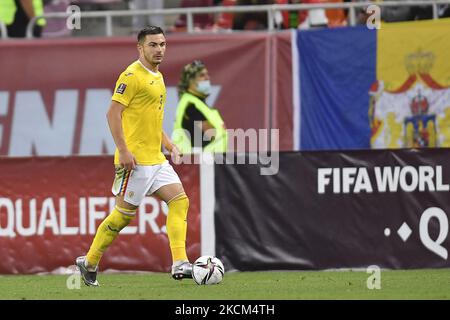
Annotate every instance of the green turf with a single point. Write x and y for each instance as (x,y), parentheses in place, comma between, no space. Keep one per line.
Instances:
(410,284)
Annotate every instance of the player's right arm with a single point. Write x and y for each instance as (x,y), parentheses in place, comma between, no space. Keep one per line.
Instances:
(114,116)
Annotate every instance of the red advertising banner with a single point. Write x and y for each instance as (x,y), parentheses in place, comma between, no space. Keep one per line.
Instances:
(54,93)
(281,78)
(50,208)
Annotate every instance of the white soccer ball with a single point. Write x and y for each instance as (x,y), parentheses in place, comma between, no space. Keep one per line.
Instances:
(207,270)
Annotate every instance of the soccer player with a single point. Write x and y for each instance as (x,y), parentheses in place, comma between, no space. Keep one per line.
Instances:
(135,118)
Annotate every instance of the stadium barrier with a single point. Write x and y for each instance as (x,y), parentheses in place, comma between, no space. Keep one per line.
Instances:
(271,10)
(3,30)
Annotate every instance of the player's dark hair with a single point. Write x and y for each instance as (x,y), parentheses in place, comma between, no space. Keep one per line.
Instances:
(149,30)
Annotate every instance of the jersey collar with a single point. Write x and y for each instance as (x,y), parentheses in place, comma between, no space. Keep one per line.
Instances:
(153,73)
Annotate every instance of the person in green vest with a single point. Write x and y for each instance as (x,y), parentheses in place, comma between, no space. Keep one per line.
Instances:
(16,14)
(198,126)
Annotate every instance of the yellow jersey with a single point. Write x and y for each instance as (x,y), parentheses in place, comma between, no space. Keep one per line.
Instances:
(143,94)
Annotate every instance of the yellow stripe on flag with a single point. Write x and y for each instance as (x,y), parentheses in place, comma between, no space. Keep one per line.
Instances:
(409,47)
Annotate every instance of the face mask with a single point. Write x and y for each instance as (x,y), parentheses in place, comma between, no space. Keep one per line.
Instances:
(204,87)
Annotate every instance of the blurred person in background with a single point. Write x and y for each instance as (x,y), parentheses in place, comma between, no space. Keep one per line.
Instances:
(337,17)
(251,20)
(201,21)
(198,127)
(396,13)
(406,13)
(403,13)
(16,14)
(302,19)
(135,118)
(225,19)
(140,21)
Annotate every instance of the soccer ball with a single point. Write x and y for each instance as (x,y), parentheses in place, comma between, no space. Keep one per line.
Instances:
(207,270)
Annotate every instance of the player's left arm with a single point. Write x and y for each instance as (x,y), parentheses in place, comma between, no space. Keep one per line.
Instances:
(171,147)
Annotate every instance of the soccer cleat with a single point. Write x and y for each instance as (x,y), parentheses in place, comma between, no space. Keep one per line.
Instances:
(181,271)
(89,277)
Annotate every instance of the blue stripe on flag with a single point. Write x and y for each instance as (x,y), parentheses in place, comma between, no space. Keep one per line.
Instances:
(336,69)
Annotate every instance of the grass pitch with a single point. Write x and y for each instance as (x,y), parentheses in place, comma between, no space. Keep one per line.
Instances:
(401,284)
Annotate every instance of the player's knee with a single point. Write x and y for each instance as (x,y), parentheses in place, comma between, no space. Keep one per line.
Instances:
(126,212)
(184,201)
(120,218)
(180,202)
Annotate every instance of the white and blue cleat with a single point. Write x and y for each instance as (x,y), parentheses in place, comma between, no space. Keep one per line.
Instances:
(89,277)
(182,271)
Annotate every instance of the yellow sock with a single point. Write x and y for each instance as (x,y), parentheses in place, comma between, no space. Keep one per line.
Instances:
(177,227)
(106,233)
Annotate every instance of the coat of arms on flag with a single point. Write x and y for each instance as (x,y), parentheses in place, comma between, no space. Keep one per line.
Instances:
(414,115)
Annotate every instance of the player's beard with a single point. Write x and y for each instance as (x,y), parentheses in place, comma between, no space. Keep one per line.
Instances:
(152,61)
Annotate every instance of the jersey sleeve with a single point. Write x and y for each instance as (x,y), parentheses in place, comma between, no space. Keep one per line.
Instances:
(126,88)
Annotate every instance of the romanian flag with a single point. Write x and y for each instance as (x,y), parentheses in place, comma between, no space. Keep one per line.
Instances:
(358,88)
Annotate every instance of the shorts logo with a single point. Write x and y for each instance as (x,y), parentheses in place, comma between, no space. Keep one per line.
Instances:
(131,194)
(121,88)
